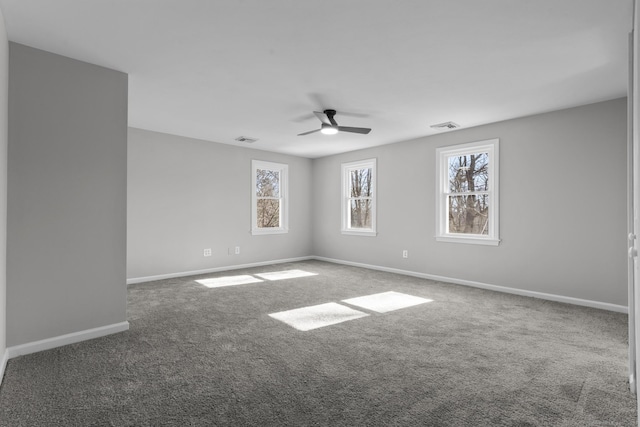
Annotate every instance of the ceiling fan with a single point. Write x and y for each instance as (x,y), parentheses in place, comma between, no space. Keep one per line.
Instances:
(330,126)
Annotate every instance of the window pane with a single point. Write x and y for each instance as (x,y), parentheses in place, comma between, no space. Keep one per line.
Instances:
(469,214)
(360,182)
(469,173)
(268,213)
(361,213)
(267,183)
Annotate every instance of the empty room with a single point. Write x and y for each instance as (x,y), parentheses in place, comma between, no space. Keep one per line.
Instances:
(281,213)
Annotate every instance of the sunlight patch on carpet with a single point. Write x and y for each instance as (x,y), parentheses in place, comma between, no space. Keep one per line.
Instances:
(219,282)
(317,316)
(288,274)
(386,301)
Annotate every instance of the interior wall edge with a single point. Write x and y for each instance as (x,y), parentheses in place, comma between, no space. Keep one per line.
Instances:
(66,189)
(4,138)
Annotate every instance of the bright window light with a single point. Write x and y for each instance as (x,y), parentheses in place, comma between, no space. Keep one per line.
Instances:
(219,282)
(317,316)
(288,274)
(386,301)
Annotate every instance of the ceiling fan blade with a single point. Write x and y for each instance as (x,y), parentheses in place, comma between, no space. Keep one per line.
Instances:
(303,118)
(323,117)
(354,130)
(358,115)
(307,133)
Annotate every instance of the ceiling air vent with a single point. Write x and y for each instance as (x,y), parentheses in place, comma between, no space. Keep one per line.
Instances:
(446,125)
(246,139)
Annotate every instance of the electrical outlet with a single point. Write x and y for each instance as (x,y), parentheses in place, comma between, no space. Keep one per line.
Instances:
(405,254)
(207,252)
(237,250)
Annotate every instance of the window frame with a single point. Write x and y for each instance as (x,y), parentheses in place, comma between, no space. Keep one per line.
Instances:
(492,148)
(345,207)
(283,170)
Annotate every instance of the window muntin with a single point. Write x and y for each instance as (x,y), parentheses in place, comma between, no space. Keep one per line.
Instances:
(269,198)
(467,193)
(358,197)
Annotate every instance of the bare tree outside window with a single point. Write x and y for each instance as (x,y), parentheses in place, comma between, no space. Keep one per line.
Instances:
(468,199)
(360,198)
(468,193)
(268,198)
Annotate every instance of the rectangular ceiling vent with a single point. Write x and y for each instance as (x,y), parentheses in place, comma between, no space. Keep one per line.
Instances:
(246,139)
(446,125)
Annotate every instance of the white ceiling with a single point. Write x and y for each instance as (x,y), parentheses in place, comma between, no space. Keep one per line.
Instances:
(219,69)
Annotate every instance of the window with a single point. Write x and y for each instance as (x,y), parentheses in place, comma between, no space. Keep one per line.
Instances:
(269,198)
(359,198)
(467,193)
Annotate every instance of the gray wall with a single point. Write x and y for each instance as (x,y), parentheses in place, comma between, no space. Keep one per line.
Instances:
(185,195)
(573,244)
(66,237)
(4,82)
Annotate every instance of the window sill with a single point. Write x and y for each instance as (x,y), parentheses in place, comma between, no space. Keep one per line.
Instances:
(368,233)
(469,240)
(261,231)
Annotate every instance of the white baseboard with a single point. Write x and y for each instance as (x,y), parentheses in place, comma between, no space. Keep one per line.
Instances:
(3,364)
(49,343)
(214,270)
(522,292)
(88,334)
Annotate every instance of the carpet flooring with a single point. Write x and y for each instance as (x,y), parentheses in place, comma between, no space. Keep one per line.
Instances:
(201,356)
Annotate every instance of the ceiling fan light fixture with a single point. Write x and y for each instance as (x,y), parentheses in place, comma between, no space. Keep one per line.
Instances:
(328,129)
(330,126)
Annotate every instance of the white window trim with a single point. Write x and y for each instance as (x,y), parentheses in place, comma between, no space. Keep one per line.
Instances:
(283,169)
(345,207)
(490,146)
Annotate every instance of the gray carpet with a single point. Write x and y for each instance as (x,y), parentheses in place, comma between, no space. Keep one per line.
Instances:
(213,357)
